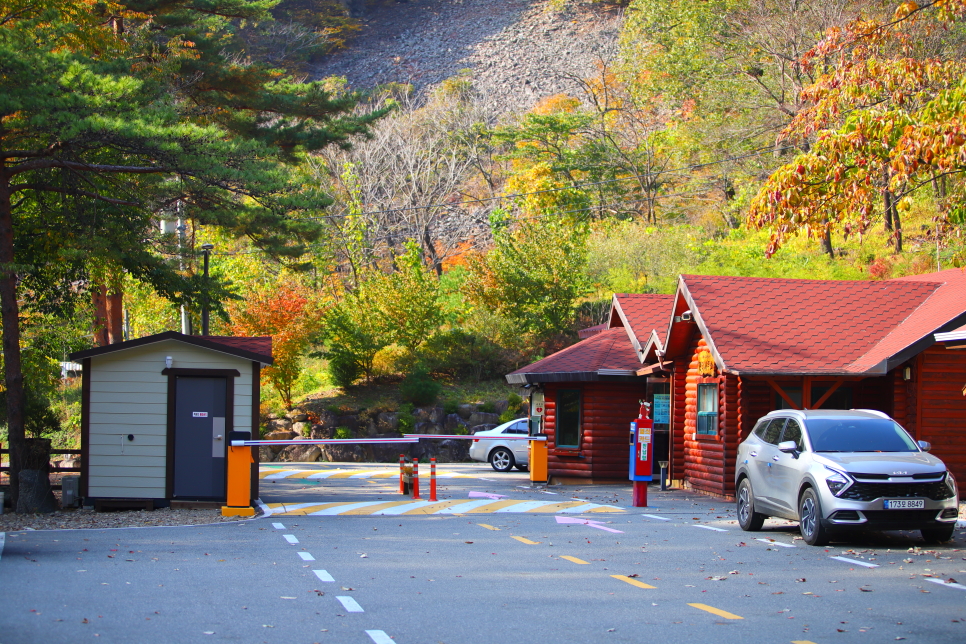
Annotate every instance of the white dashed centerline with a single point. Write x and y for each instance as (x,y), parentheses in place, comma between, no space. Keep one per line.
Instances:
(856,562)
(380,637)
(323,575)
(291,538)
(350,604)
(654,516)
(776,543)
(306,556)
(708,527)
(278,526)
(948,584)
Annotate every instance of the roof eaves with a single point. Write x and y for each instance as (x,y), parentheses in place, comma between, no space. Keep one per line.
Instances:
(631,335)
(696,314)
(179,337)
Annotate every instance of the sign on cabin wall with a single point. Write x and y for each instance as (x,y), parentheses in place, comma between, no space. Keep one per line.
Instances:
(662,409)
(536,403)
(706,364)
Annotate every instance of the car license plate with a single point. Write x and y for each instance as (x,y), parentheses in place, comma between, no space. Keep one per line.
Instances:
(904,504)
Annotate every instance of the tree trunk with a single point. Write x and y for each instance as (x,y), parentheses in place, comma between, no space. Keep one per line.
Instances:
(10,320)
(99,302)
(887,206)
(35,491)
(827,242)
(115,316)
(898,227)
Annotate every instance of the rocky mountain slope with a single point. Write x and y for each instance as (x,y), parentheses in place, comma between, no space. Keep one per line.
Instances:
(519,51)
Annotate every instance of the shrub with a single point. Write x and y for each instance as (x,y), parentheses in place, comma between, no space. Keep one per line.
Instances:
(343,369)
(488,407)
(343,432)
(451,406)
(463,354)
(508,415)
(418,388)
(407,422)
(461,430)
(514,401)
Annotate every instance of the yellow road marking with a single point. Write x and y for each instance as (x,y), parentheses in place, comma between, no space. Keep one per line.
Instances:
(802,642)
(557,507)
(369,509)
(633,582)
(435,507)
(490,507)
(574,559)
(488,527)
(716,611)
(310,509)
(526,541)
(604,508)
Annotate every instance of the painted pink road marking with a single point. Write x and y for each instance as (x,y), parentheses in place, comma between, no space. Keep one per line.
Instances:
(587,522)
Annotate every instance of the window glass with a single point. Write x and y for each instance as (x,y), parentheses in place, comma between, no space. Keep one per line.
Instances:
(773,431)
(568,418)
(516,428)
(841,398)
(795,393)
(859,435)
(793,432)
(708,409)
(760,428)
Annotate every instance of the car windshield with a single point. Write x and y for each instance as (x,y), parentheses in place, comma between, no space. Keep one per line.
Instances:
(858,435)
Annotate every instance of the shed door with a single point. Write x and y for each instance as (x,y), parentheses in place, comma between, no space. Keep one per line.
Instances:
(199,437)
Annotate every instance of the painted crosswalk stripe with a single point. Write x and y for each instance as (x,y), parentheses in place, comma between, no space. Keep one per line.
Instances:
(451,506)
(306,556)
(708,527)
(339,509)
(856,562)
(323,575)
(465,507)
(772,542)
(948,585)
(380,637)
(350,604)
(280,475)
(574,559)
(633,582)
(527,506)
(278,526)
(291,538)
(654,516)
(716,611)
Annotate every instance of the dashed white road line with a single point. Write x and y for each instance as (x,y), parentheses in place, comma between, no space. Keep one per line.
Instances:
(350,604)
(708,527)
(654,516)
(291,538)
(323,575)
(306,556)
(856,562)
(380,637)
(278,526)
(776,543)
(943,583)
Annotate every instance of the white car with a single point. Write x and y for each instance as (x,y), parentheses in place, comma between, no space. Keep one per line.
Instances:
(502,455)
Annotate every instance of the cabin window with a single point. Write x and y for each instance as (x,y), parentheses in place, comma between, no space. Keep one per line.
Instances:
(708,409)
(568,418)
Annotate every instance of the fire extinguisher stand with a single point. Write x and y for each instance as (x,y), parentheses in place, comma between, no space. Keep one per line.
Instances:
(641,455)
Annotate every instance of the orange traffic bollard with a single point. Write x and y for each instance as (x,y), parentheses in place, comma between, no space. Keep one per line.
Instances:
(432,479)
(402,473)
(416,479)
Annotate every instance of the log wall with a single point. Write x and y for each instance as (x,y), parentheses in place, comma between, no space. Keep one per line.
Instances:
(705,458)
(941,417)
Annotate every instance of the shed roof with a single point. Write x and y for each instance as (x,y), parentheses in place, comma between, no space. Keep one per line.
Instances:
(258,349)
(845,327)
(606,354)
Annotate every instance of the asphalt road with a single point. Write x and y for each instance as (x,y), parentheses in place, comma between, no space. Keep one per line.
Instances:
(680,570)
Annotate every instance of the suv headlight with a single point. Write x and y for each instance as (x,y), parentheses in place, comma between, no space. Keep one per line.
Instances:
(837,481)
(951,484)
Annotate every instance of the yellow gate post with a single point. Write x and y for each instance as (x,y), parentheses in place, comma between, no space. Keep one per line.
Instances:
(239,465)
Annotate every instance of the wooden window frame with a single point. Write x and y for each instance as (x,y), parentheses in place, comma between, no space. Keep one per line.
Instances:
(580,418)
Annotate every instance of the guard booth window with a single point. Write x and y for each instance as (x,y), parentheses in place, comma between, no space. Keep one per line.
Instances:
(708,409)
(568,418)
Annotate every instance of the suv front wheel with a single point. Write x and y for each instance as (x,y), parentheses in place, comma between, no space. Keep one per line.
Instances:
(810,519)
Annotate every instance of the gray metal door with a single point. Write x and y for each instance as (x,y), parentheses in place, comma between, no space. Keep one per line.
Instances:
(199,437)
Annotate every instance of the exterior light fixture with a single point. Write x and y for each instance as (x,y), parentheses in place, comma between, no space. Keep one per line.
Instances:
(168,361)
(907,373)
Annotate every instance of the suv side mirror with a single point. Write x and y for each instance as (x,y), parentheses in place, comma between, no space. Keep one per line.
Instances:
(789,447)
(925,445)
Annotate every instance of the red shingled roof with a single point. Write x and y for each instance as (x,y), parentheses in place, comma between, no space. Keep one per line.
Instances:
(766,325)
(254,348)
(260,345)
(608,350)
(644,313)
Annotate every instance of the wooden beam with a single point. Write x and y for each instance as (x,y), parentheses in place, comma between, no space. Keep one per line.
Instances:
(821,401)
(781,392)
(807,392)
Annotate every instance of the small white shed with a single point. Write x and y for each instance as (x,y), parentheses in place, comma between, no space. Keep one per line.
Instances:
(156,413)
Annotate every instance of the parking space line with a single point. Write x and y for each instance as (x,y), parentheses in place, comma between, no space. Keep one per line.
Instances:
(350,604)
(323,575)
(632,582)
(487,526)
(380,637)
(526,541)
(856,562)
(708,527)
(943,583)
(291,538)
(574,559)
(306,556)
(654,516)
(772,542)
(716,611)
(278,526)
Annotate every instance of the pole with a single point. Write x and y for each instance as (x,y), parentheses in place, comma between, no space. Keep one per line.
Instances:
(185,320)
(432,480)
(640,494)
(206,250)
(402,473)
(416,479)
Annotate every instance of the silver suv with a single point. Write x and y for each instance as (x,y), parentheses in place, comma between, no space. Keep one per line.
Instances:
(830,470)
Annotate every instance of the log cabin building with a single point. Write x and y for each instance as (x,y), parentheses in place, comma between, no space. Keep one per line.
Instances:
(724,351)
